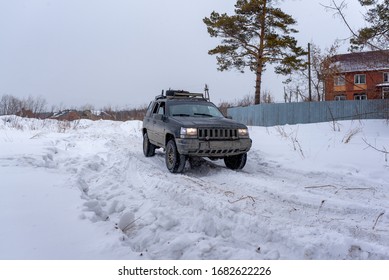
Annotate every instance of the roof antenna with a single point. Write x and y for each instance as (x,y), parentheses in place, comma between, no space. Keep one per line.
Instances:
(206,92)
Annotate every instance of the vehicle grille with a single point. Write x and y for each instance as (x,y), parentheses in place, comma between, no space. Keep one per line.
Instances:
(217,133)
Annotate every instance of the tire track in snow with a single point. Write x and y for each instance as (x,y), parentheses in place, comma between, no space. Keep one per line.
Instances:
(266,211)
(150,193)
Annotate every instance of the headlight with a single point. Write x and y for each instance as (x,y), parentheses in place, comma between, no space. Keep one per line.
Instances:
(188,132)
(243,133)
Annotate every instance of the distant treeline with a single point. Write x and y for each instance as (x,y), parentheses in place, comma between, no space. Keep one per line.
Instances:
(36,107)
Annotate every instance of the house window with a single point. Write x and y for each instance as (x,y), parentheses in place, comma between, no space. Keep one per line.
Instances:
(386,77)
(339,80)
(385,92)
(340,97)
(360,79)
(360,97)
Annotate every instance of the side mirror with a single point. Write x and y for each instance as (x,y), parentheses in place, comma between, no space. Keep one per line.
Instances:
(229,117)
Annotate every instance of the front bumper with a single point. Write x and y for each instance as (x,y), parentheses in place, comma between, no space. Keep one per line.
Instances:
(212,148)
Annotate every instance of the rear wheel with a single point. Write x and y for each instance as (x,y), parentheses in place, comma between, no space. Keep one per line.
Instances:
(236,162)
(175,162)
(148,148)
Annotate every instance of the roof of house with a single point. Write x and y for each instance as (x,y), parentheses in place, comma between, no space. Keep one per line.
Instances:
(362,61)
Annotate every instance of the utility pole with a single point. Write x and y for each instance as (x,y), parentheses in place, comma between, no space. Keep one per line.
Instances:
(309,73)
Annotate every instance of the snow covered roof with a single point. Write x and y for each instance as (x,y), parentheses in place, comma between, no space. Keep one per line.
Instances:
(362,61)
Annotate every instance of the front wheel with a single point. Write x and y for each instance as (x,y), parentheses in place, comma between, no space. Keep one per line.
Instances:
(236,162)
(175,162)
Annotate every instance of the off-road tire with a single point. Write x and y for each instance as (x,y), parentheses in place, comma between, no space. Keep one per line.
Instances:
(148,148)
(236,162)
(175,162)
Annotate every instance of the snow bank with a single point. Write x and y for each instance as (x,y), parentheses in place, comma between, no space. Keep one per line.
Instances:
(84,190)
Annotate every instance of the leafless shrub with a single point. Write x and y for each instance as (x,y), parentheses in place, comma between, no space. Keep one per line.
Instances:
(223,106)
(247,100)
(281,131)
(126,114)
(87,107)
(13,122)
(335,124)
(293,138)
(75,124)
(351,134)
(383,150)
(297,146)
(267,97)
(63,126)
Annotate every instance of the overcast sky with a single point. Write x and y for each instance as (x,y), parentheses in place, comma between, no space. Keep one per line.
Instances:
(122,53)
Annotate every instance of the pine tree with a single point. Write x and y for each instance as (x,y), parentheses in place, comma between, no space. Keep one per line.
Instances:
(376,35)
(256,35)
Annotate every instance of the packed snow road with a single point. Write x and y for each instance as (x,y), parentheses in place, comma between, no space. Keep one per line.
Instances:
(314,191)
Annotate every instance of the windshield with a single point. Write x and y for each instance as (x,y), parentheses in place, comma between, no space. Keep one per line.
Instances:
(194,110)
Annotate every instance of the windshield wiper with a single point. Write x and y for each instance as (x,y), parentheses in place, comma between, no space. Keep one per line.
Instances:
(205,115)
(181,115)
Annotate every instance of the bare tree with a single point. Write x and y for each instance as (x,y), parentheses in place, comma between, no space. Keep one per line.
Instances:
(10,105)
(224,105)
(36,105)
(247,100)
(322,69)
(267,97)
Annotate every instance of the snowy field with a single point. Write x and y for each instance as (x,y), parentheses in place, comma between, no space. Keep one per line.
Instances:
(84,190)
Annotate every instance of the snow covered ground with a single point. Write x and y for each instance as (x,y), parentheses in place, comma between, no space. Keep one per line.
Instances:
(84,190)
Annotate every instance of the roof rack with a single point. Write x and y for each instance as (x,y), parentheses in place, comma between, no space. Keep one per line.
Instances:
(181,94)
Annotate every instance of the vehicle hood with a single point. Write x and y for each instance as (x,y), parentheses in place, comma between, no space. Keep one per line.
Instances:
(208,122)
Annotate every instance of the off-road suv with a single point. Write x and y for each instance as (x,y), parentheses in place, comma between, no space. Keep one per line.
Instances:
(188,126)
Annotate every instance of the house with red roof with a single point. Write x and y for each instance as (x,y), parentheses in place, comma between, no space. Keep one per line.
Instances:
(358,76)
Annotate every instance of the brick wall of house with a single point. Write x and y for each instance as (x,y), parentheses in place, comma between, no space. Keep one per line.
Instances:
(350,89)
(372,64)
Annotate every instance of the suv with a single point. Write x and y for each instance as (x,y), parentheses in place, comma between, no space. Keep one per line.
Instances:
(188,126)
